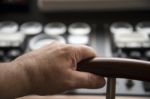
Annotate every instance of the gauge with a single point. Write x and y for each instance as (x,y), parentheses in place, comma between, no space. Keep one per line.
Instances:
(42,40)
(31,28)
(8,27)
(143,27)
(55,28)
(121,27)
(79,28)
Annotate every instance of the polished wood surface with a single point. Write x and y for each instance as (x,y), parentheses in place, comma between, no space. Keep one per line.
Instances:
(78,97)
(117,68)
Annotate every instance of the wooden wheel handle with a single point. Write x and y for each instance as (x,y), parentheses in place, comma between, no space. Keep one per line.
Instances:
(117,68)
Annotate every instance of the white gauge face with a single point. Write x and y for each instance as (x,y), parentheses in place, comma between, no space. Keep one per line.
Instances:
(31,28)
(73,39)
(143,27)
(8,27)
(121,27)
(43,40)
(55,28)
(79,29)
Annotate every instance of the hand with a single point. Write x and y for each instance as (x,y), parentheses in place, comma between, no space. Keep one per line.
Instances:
(52,69)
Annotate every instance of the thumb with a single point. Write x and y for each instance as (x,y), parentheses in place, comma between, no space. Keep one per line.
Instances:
(87,80)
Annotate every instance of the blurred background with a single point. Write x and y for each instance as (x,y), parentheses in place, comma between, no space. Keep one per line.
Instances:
(114,28)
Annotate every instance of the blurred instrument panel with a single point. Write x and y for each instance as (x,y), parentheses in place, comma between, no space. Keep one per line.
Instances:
(112,33)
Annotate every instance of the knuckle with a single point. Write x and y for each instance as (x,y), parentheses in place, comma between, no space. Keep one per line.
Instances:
(67,50)
(66,53)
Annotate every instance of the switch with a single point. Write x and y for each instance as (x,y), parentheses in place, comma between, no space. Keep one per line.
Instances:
(135,55)
(129,84)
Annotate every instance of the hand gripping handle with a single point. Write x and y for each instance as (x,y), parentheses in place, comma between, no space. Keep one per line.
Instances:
(117,68)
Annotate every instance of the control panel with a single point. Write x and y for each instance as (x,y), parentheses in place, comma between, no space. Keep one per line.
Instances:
(122,33)
(122,40)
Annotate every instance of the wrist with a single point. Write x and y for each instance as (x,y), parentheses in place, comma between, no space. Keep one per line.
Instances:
(22,78)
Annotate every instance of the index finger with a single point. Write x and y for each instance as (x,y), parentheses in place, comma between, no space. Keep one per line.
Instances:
(84,52)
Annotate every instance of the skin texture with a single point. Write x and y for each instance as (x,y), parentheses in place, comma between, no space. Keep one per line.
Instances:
(46,71)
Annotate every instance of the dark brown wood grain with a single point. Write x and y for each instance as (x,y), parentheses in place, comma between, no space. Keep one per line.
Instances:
(117,68)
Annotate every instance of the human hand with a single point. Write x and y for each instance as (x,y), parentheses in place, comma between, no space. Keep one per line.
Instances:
(52,69)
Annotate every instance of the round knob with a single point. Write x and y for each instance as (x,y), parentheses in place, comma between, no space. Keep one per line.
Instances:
(13,53)
(147,54)
(135,55)
(120,53)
